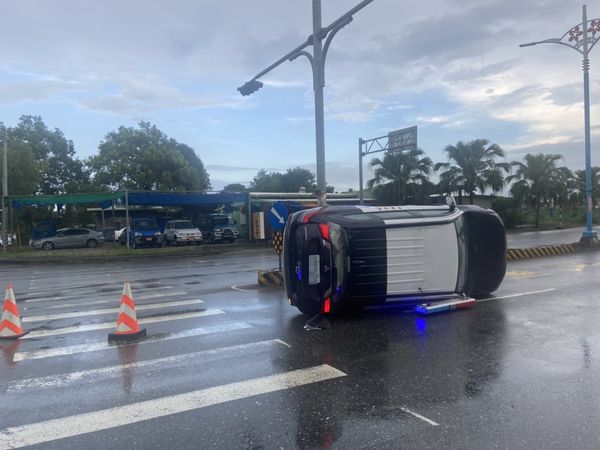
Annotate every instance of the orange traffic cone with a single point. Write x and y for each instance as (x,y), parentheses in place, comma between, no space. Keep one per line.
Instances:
(10,322)
(127,324)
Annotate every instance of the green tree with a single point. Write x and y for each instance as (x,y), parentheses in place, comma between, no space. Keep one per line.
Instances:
(146,159)
(400,176)
(23,172)
(234,187)
(294,179)
(265,181)
(580,185)
(535,180)
(474,168)
(59,170)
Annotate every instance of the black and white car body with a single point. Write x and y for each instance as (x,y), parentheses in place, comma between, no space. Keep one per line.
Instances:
(357,256)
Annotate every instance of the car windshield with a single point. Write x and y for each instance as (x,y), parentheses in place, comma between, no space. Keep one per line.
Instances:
(222,221)
(183,225)
(145,224)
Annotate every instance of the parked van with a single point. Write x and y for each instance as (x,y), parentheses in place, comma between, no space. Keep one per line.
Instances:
(353,255)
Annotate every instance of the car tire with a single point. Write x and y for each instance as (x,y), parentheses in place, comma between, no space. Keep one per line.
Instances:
(91,243)
(134,245)
(175,243)
(48,245)
(158,245)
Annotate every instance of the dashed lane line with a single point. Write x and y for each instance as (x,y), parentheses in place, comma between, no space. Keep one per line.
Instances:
(51,430)
(419,416)
(177,361)
(106,325)
(98,312)
(103,345)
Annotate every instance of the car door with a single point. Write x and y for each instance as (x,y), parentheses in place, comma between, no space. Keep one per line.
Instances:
(80,238)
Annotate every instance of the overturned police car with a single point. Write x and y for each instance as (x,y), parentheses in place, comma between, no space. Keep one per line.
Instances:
(357,256)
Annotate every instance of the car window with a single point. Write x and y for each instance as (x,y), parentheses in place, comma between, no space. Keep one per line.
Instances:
(183,225)
(145,224)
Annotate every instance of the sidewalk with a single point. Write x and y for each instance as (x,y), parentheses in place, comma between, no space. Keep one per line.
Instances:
(529,239)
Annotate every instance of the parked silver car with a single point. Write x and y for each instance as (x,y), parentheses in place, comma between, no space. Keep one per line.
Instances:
(69,237)
(182,232)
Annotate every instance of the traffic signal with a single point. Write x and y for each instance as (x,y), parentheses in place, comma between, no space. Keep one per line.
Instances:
(250,87)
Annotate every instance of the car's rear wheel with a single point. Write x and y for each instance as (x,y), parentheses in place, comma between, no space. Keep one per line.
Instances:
(48,245)
(92,243)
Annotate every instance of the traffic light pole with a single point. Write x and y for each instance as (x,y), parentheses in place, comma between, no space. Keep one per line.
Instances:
(320,39)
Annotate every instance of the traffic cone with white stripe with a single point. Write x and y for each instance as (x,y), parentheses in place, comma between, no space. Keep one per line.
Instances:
(10,322)
(128,328)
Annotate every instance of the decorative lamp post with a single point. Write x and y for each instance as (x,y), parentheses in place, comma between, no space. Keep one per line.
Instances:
(582,38)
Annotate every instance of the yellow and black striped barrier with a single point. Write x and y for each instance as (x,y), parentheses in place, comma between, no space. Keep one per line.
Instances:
(537,252)
(270,277)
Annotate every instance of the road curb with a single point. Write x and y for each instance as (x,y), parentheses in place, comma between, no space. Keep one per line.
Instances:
(270,277)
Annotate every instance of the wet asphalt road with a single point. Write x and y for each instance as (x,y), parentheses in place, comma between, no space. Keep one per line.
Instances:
(229,366)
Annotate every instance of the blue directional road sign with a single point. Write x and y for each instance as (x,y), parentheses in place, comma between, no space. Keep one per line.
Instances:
(278,215)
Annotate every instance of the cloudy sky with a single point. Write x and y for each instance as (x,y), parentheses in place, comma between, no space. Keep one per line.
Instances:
(453,68)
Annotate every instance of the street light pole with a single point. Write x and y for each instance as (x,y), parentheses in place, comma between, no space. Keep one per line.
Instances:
(578,39)
(5,193)
(320,40)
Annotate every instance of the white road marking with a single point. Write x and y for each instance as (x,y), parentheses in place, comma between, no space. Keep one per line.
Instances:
(106,325)
(98,312)
(103,345)
(202,357)
(235,288)
(116,294)
(419,416)
(520,294)
(115,300)
(51,430)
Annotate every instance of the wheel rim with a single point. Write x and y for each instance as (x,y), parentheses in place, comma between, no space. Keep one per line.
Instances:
(92,243)
(48,246)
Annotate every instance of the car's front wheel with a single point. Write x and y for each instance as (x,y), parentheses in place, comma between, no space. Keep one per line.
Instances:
(48,245)
(92,243)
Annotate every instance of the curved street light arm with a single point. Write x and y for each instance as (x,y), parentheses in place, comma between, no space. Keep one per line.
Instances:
(332,34)
(303,53)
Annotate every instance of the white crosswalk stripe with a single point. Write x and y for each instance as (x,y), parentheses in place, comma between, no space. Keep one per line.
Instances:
(176,361)
(50,430)
(96,346)
(97,312)
(107,325)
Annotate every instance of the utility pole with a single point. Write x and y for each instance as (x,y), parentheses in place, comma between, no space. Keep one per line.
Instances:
(320,39)
(5,192)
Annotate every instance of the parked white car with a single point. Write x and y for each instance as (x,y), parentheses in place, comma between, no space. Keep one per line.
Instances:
(182,232)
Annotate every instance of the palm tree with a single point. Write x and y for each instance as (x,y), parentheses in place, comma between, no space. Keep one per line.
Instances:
(536,180)
(580,185)
(474,168)
(400,175)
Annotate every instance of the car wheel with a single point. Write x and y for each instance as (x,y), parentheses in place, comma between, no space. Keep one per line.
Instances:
(211,239)
(134,245)
(48,245)
(175,243)
(158,245)
(92,243)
